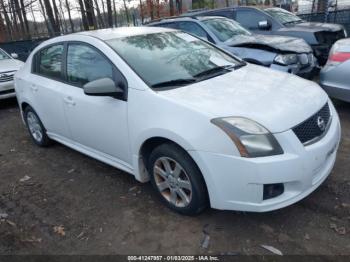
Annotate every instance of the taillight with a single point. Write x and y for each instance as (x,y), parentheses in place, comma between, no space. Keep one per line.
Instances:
(339,57)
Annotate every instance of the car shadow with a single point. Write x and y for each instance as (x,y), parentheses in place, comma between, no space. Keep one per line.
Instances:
(8,103)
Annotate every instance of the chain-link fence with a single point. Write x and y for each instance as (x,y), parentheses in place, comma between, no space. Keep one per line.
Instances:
(324,11)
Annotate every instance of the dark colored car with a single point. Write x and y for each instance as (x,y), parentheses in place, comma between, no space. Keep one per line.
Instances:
(287,54)
(277,21)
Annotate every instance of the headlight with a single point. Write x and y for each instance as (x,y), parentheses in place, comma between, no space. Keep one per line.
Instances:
(250,138)
(345,33)
(286,59)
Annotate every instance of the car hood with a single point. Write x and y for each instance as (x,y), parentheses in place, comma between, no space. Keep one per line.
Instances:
(7,65)
(281,43)
(277,100)
(313,27)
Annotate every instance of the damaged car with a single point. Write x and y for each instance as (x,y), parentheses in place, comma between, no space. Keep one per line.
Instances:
(286,54)
(277,21)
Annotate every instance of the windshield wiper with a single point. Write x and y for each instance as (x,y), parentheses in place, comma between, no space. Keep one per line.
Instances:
(215,70)
(175,82)
(293,22)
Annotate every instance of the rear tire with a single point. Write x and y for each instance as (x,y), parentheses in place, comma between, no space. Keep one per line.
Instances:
(35,127)
(177,179)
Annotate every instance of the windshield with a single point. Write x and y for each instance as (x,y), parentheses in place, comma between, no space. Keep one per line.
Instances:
(171,57)
(3,55)
(225,29)
(283,16)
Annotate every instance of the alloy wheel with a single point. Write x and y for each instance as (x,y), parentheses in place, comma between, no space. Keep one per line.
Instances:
(172,181)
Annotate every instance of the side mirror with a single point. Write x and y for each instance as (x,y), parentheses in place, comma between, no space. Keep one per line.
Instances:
(14,55)
(102,87)
(264,25)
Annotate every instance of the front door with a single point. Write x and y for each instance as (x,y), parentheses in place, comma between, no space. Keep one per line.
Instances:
(97,123)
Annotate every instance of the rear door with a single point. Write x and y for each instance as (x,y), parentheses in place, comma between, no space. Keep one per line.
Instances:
(45,88)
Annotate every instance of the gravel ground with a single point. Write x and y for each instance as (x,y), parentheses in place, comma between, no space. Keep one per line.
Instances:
(58,201)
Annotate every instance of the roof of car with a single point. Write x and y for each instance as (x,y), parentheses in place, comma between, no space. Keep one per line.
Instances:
(183,18)
(111,33)
(206,11)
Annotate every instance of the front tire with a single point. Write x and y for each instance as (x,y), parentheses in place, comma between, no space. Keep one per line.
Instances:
(35,127)
(177,179)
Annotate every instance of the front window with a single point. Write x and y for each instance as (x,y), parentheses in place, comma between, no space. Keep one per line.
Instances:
(173,58)
(85,64)
(225,29)
(283,16)
(3,55)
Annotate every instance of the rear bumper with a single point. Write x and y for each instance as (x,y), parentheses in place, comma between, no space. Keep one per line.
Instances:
(236,183)
(335,80)
(7,90)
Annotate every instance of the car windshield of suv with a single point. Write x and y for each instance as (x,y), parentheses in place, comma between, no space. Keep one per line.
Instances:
(3,55)
(225,29)
(172,59)
(283,16)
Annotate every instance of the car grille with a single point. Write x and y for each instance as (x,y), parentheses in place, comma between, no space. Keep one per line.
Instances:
(314,127)
(6,76)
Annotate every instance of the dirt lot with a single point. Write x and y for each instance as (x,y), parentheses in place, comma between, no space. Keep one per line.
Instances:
(73,204)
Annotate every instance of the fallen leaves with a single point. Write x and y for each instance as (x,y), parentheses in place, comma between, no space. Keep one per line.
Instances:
(272,249)
(59,230)
(339,230)
(25,178)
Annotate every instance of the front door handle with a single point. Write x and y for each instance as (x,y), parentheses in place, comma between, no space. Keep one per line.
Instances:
(69,101)
(34,88)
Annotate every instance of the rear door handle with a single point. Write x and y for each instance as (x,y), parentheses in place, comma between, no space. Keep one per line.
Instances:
(69,101)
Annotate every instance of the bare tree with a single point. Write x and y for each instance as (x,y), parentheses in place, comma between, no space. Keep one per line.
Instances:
(115,14)
(7,20)
(126,12)
(99,16)
(171,6)
(141,11)
(83,15)
(69,16)
(54,28)
(109,13)
(90,15)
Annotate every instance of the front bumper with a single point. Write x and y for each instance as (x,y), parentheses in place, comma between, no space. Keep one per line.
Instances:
(236,183)
(7,90)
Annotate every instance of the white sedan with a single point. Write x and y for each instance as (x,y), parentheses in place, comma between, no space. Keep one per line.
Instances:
(8,67)
(203,126)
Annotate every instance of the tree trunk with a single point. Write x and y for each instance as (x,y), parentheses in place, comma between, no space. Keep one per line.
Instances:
(109,13)
(55,29)
(90,13)
(63,19)
(25,20)
(126,12)
(35,27)
(115,14)
(99,16)
(3,31)
(48,26)
(14,20)
(56,14)
(141,12)
(69,16)
(158,11)
(83,15)
(171,6)
(7,20)
(18,12)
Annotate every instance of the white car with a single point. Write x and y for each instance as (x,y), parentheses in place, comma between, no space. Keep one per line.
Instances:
(203,126)
(8,67)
